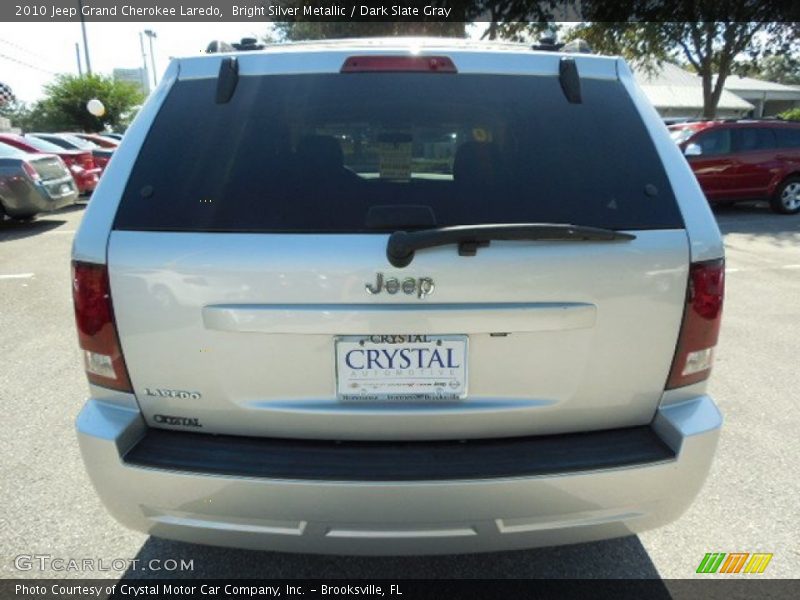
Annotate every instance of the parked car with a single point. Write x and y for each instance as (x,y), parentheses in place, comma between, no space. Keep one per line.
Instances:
(113,136)
(99,140)
(397,297)
(745,160)
(79,162)
(33,183)
(72,142)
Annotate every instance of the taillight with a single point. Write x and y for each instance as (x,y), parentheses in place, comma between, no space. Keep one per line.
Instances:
(700,328)
(417,64)
(97,332)
(28,168)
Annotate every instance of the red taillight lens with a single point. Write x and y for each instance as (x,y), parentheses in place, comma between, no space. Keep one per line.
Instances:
(701,320)
(97,333)
(417,64)
(28,168)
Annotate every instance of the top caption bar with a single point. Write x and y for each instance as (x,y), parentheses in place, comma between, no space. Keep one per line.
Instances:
(397,10)
(231,10)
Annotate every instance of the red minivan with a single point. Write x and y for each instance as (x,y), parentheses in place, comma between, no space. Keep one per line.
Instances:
(744,160)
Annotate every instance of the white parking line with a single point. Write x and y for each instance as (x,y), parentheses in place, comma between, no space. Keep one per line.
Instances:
(17,276)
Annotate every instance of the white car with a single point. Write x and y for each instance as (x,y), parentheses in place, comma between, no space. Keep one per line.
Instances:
(397,297)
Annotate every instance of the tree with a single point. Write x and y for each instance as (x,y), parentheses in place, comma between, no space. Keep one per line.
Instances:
(713,36)
(17,112)
(709,35)
(791,115)
(64,104)
(780,68)
(711,48)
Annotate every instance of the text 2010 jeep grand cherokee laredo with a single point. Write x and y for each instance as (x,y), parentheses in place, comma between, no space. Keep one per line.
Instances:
(394,297)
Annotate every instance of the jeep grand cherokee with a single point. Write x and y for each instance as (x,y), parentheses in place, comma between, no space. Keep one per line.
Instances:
(397,297)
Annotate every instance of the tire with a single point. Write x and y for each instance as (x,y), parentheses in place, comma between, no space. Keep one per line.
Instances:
(786,200)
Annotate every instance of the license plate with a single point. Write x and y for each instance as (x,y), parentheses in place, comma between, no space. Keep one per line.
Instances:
(401,367)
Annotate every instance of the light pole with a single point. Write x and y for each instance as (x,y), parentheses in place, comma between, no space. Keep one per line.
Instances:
(85,39)
(78,58)
(152,35)
(145,76)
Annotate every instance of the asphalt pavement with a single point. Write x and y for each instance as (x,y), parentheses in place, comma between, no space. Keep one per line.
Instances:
(749,503)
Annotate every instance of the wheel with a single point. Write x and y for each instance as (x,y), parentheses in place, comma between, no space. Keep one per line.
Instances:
(787,197)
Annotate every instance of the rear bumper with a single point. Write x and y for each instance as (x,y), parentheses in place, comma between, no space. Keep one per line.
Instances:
(317,513)
(26,198)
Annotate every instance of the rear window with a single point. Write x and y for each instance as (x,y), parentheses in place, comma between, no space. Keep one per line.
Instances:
(7,151)
(313,153)
(42,145)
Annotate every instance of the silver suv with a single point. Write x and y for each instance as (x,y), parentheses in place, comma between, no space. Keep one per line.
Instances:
(397,297)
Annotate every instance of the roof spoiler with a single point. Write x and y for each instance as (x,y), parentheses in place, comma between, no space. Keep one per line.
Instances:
(227,79)
(570,80)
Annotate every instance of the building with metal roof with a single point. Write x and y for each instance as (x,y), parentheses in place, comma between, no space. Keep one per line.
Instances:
(768,98)
(678,94)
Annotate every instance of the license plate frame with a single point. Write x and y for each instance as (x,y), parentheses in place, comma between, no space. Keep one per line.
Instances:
(414,384)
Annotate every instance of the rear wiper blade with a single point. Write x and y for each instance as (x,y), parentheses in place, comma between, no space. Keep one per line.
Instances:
(402,244)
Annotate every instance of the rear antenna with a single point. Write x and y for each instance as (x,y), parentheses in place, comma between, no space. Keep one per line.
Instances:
(570,80)
(227,79)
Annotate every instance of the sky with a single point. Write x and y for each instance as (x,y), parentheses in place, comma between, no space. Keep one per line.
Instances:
(32,53)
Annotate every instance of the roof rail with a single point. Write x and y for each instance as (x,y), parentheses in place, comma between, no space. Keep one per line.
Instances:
(548,43)
(740,119)
(244,45)
(248,44)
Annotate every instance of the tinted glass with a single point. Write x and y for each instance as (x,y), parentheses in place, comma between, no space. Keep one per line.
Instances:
(714,142)
(313,153)
(41,145)
(70,142)
(79,142)
(55,140)
(788,137)
(7,151)
(748,139)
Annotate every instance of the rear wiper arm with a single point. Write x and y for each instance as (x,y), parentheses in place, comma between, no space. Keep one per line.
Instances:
(402,244)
